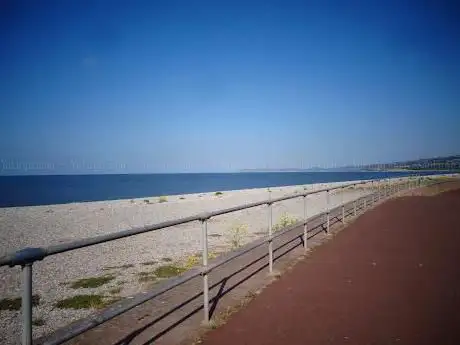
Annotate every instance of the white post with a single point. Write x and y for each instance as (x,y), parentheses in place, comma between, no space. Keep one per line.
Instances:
(204,238)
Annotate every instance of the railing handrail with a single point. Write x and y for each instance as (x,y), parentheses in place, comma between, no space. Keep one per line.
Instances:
(27,255)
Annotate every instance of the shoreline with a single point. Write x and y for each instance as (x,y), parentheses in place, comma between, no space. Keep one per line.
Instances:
(129,258)
(71,189)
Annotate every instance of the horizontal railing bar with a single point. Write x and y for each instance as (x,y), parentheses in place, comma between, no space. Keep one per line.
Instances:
(11,258)
(262,241)
(112,312)
(235,254)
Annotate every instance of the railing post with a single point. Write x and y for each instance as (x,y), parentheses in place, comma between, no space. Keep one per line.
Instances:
(204,239)
(343,207)
(371,200)
(26,304)
(305,229)
(270,238)
(328,210)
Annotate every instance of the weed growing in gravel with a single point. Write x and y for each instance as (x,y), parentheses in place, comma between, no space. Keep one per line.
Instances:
(285,221)
(85,302)
(149,263)
(118,267)
(166,259)
(15,303)
(168,271)
(92,282)
(195,259)
(115,290)
(146,277)
(235,235)
(38,321)
(191,261)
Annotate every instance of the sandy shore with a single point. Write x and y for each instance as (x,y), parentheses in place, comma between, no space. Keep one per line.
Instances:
(126,258)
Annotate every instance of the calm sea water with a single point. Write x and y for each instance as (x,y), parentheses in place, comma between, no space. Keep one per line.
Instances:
(59,189)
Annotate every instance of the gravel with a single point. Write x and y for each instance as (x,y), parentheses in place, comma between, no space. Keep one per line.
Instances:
(52,224)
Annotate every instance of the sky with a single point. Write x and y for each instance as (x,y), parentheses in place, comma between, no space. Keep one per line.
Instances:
(216,86)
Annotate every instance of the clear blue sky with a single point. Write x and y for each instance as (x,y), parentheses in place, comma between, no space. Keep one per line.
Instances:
(175,86)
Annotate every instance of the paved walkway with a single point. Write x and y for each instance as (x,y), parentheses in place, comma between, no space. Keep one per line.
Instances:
(393,277)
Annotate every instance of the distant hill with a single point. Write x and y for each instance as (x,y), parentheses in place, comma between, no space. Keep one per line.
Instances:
(436,163)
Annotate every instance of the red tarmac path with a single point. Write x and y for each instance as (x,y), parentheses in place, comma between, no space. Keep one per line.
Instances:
(392,277)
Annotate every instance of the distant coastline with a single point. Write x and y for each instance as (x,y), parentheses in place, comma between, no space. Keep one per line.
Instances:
(445,164)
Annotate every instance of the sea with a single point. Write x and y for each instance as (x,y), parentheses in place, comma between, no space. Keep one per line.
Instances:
(34,190)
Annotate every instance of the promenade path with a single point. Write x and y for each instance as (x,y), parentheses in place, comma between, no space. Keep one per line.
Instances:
(393,277)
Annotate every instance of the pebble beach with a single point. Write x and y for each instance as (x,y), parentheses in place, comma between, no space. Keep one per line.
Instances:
(127,259)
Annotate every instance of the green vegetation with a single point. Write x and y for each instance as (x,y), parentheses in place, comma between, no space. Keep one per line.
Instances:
(92,282)
(162,199)
(235,235)
(191,261)
(118,267)
(195,259)
(218,193)
(146,277)
(15,303)
(182,198)
(85,302)
(284,221)
(115,290)
(38,321)
(168,271)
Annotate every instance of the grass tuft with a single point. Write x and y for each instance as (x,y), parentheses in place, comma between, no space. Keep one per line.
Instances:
(162,199)
(85,302)
(115,290)
(236,234)
(92,282)
(285,221)
(218,193)
(15,303)
(168,271)
(145,277)
(195,259)
(38,321)
(118,267)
